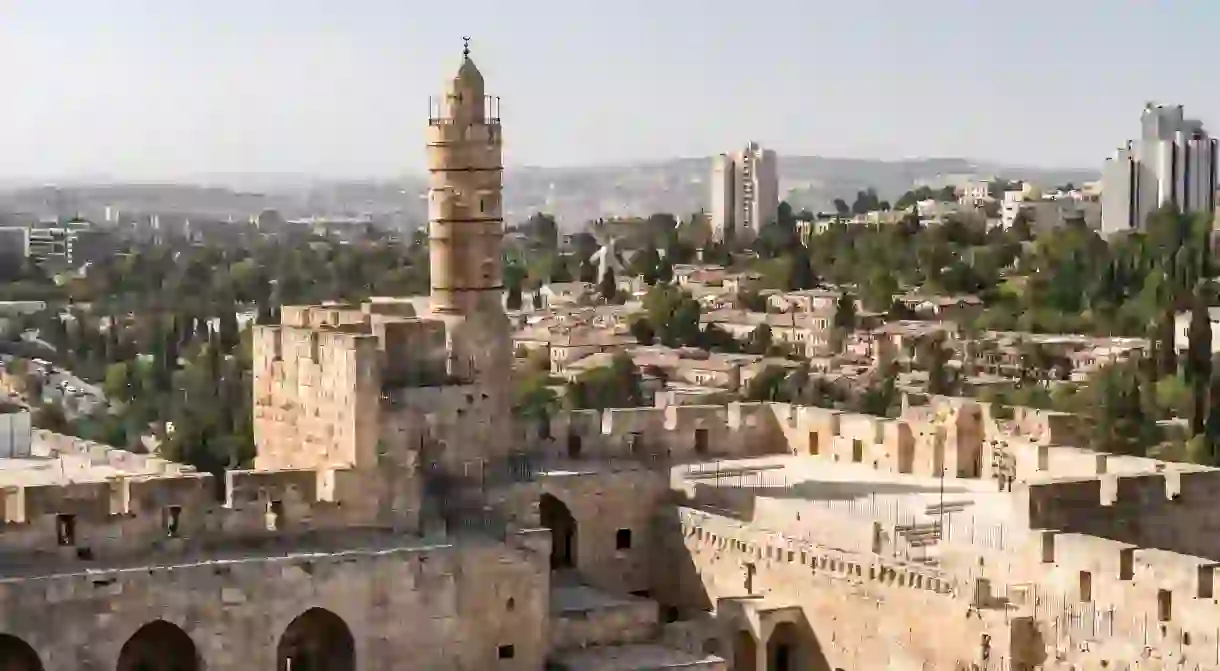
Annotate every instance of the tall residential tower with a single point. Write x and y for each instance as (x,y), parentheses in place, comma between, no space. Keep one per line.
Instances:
(1173,163)
(745,193)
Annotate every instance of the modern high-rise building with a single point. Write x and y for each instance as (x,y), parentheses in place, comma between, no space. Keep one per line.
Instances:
(1174,162)
(745,193)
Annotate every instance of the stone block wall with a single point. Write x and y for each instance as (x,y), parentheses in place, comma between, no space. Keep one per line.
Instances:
(603,506)
(863,611)
(679,433)
(83,525)
(952,439)
(626,621)
(1115,599)
(413,351)
(1175,510)
(441,607)
(315,397)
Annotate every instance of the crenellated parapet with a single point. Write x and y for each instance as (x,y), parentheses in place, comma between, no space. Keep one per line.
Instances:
(125,517)
(688,432)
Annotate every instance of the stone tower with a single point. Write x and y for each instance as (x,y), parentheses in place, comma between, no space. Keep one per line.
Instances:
(465,238)
(466,224)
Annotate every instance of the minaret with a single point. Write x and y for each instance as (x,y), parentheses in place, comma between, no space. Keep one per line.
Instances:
(465,238)
(466,226)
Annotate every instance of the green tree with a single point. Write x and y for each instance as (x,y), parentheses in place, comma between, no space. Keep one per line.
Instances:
(1197,366)
(608,287)
(645,264)
(768,385)
(542,231)
(117,385)
(641,329)
(1117,409)
(513,300)
(534,400)
(866,201)
(665,269)
(845,312)
(800,272)
(615,386)
(50,416)
(750,300)
(933,355)
(760,340)
(879,289)
(587,271)
(674,314)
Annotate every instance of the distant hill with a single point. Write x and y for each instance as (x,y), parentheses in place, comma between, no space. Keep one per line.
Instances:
(576,195)
(573,195)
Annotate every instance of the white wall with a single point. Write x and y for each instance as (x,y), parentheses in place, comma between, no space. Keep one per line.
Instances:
(15,434)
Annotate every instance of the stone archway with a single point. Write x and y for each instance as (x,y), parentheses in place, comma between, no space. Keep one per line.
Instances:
(159,646)
(745,651)
(17,655)
(554,515)
(794,647)
(318,640)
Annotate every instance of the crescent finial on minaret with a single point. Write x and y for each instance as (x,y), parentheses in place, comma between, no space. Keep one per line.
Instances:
(465,47)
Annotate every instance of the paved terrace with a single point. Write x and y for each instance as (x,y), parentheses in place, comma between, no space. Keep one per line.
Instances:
(57,459)
(826,502)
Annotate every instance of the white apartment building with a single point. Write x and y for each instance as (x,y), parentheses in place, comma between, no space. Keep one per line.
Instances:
(1181,330)
(1173,162)
(745,193)
(1047,211)
(976,193)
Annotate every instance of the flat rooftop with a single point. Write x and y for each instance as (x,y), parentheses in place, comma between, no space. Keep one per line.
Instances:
(583,599)
(787,487)
(58,459)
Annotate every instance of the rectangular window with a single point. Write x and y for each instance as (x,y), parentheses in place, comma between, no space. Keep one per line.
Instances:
(172,514)
(65,529)
(275,515)
(1086,587)
(622,539)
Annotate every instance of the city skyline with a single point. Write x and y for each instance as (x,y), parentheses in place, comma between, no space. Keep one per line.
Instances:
(163,93)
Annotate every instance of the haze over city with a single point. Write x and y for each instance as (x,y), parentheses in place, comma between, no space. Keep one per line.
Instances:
(135,89)
(540,336)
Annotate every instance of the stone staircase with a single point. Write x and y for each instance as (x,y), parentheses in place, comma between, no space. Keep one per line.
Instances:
(592,630)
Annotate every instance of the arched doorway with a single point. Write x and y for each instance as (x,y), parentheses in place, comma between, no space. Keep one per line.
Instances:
(793,647)
(159,646)
(745,651)
(556,517)
(17,655)
(318,640)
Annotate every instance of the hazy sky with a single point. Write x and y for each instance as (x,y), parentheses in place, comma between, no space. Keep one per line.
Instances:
(170,88)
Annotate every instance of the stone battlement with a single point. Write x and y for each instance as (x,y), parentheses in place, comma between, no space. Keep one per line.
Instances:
(126,516)
(676,432)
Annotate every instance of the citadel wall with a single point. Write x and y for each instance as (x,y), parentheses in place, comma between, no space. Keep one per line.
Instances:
(315,396)
(478,599)
(858,611)
(612,513)
(80,525)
